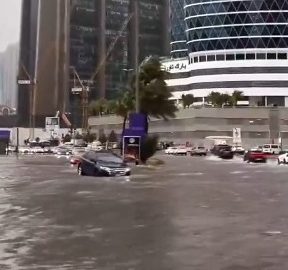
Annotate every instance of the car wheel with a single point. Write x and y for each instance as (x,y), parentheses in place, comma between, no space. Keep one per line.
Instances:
(80,170)
(279,162)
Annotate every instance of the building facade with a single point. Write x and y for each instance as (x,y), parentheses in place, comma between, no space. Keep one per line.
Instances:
(178,41)
(95,44)
(236,45)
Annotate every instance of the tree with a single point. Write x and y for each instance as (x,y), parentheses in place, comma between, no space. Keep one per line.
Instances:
(235,97)
(215,98)
(112,137)
(102,136)
(98,107)
(187,100)
(154,93)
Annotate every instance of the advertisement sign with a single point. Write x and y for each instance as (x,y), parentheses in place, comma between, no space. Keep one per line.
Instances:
(131,148)
(138,123)
(237,136)
(52,123)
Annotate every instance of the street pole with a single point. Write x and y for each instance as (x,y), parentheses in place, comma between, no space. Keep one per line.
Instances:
(137,81)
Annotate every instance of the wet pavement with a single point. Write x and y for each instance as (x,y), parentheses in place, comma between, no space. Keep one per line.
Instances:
(192,213)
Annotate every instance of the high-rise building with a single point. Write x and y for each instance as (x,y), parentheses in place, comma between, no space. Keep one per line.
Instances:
(8,75)
(101,47)
(178,34)
(236,45)
(44,59)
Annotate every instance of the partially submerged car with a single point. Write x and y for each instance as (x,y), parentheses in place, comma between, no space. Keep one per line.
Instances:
(102,163)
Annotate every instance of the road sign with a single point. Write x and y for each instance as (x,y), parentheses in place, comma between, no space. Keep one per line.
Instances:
(237,136)
(24,82)
(52,123)
(76,90)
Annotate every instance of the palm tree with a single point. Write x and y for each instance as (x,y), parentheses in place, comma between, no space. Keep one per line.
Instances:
(155,96)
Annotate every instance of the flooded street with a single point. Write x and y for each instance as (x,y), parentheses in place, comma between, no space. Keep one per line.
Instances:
(193,213)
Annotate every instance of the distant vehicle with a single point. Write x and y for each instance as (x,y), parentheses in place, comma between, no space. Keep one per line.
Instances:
(237,149)
(171,150)
(198,151)
(273,149)
(37,150)
(218,147)
(226,152)
(102,163)
(63,151)
(255,155)
(181,150)
(24,150)
(283,158)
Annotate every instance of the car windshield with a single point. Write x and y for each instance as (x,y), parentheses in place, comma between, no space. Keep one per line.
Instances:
(201,147)
(108,158)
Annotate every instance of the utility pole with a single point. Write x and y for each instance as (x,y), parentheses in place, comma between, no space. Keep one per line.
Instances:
(137,86)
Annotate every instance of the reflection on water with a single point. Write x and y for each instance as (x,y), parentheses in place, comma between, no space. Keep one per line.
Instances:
(50,218)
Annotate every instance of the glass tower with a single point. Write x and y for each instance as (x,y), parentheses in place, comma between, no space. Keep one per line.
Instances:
(178,35)
(236,25)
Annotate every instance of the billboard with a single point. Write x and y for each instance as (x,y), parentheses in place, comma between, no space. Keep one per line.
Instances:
(52,123)
(131,148)
(237,136)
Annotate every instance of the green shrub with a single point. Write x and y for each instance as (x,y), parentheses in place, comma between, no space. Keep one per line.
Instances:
(148,147)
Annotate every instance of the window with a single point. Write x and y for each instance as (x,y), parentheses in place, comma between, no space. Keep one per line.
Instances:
(282,56)
(240,56)
(202,58)
(271,55)
(210,58)
(220,57)
(250,56)
(230,57)
(261,56)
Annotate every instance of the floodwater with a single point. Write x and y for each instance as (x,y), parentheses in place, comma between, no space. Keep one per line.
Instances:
(192,213)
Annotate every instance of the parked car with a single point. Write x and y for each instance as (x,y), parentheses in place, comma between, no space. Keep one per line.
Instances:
(237,149)
(226,152)
(283,158)
(181,150)
(171,150)
(273,149)
(255,155)
(102,163)
(63,151)
(198,151)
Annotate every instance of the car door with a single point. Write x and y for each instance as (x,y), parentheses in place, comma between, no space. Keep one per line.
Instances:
(87,164)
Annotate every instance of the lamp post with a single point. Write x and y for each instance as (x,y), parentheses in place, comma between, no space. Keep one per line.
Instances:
(136,27)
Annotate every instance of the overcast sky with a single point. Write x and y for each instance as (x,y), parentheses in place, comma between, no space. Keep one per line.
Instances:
(10,15)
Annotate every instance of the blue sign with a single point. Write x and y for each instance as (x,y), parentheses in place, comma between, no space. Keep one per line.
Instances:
(138,122)
(5,135)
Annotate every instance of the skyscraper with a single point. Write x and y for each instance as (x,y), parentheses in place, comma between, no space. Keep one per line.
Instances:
(101,46)
(178,34)
(235,45)
(44,59)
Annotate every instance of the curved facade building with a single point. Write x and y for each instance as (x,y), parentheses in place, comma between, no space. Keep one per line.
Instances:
(178,35)
(237,45)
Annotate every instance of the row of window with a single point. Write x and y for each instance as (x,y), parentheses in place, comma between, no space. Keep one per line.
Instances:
(238,56)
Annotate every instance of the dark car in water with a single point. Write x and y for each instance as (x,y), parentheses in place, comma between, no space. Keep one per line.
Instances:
(102,163)
(218,147)
(226,152)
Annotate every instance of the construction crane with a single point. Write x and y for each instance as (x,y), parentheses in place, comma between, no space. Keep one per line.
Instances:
(84,91)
